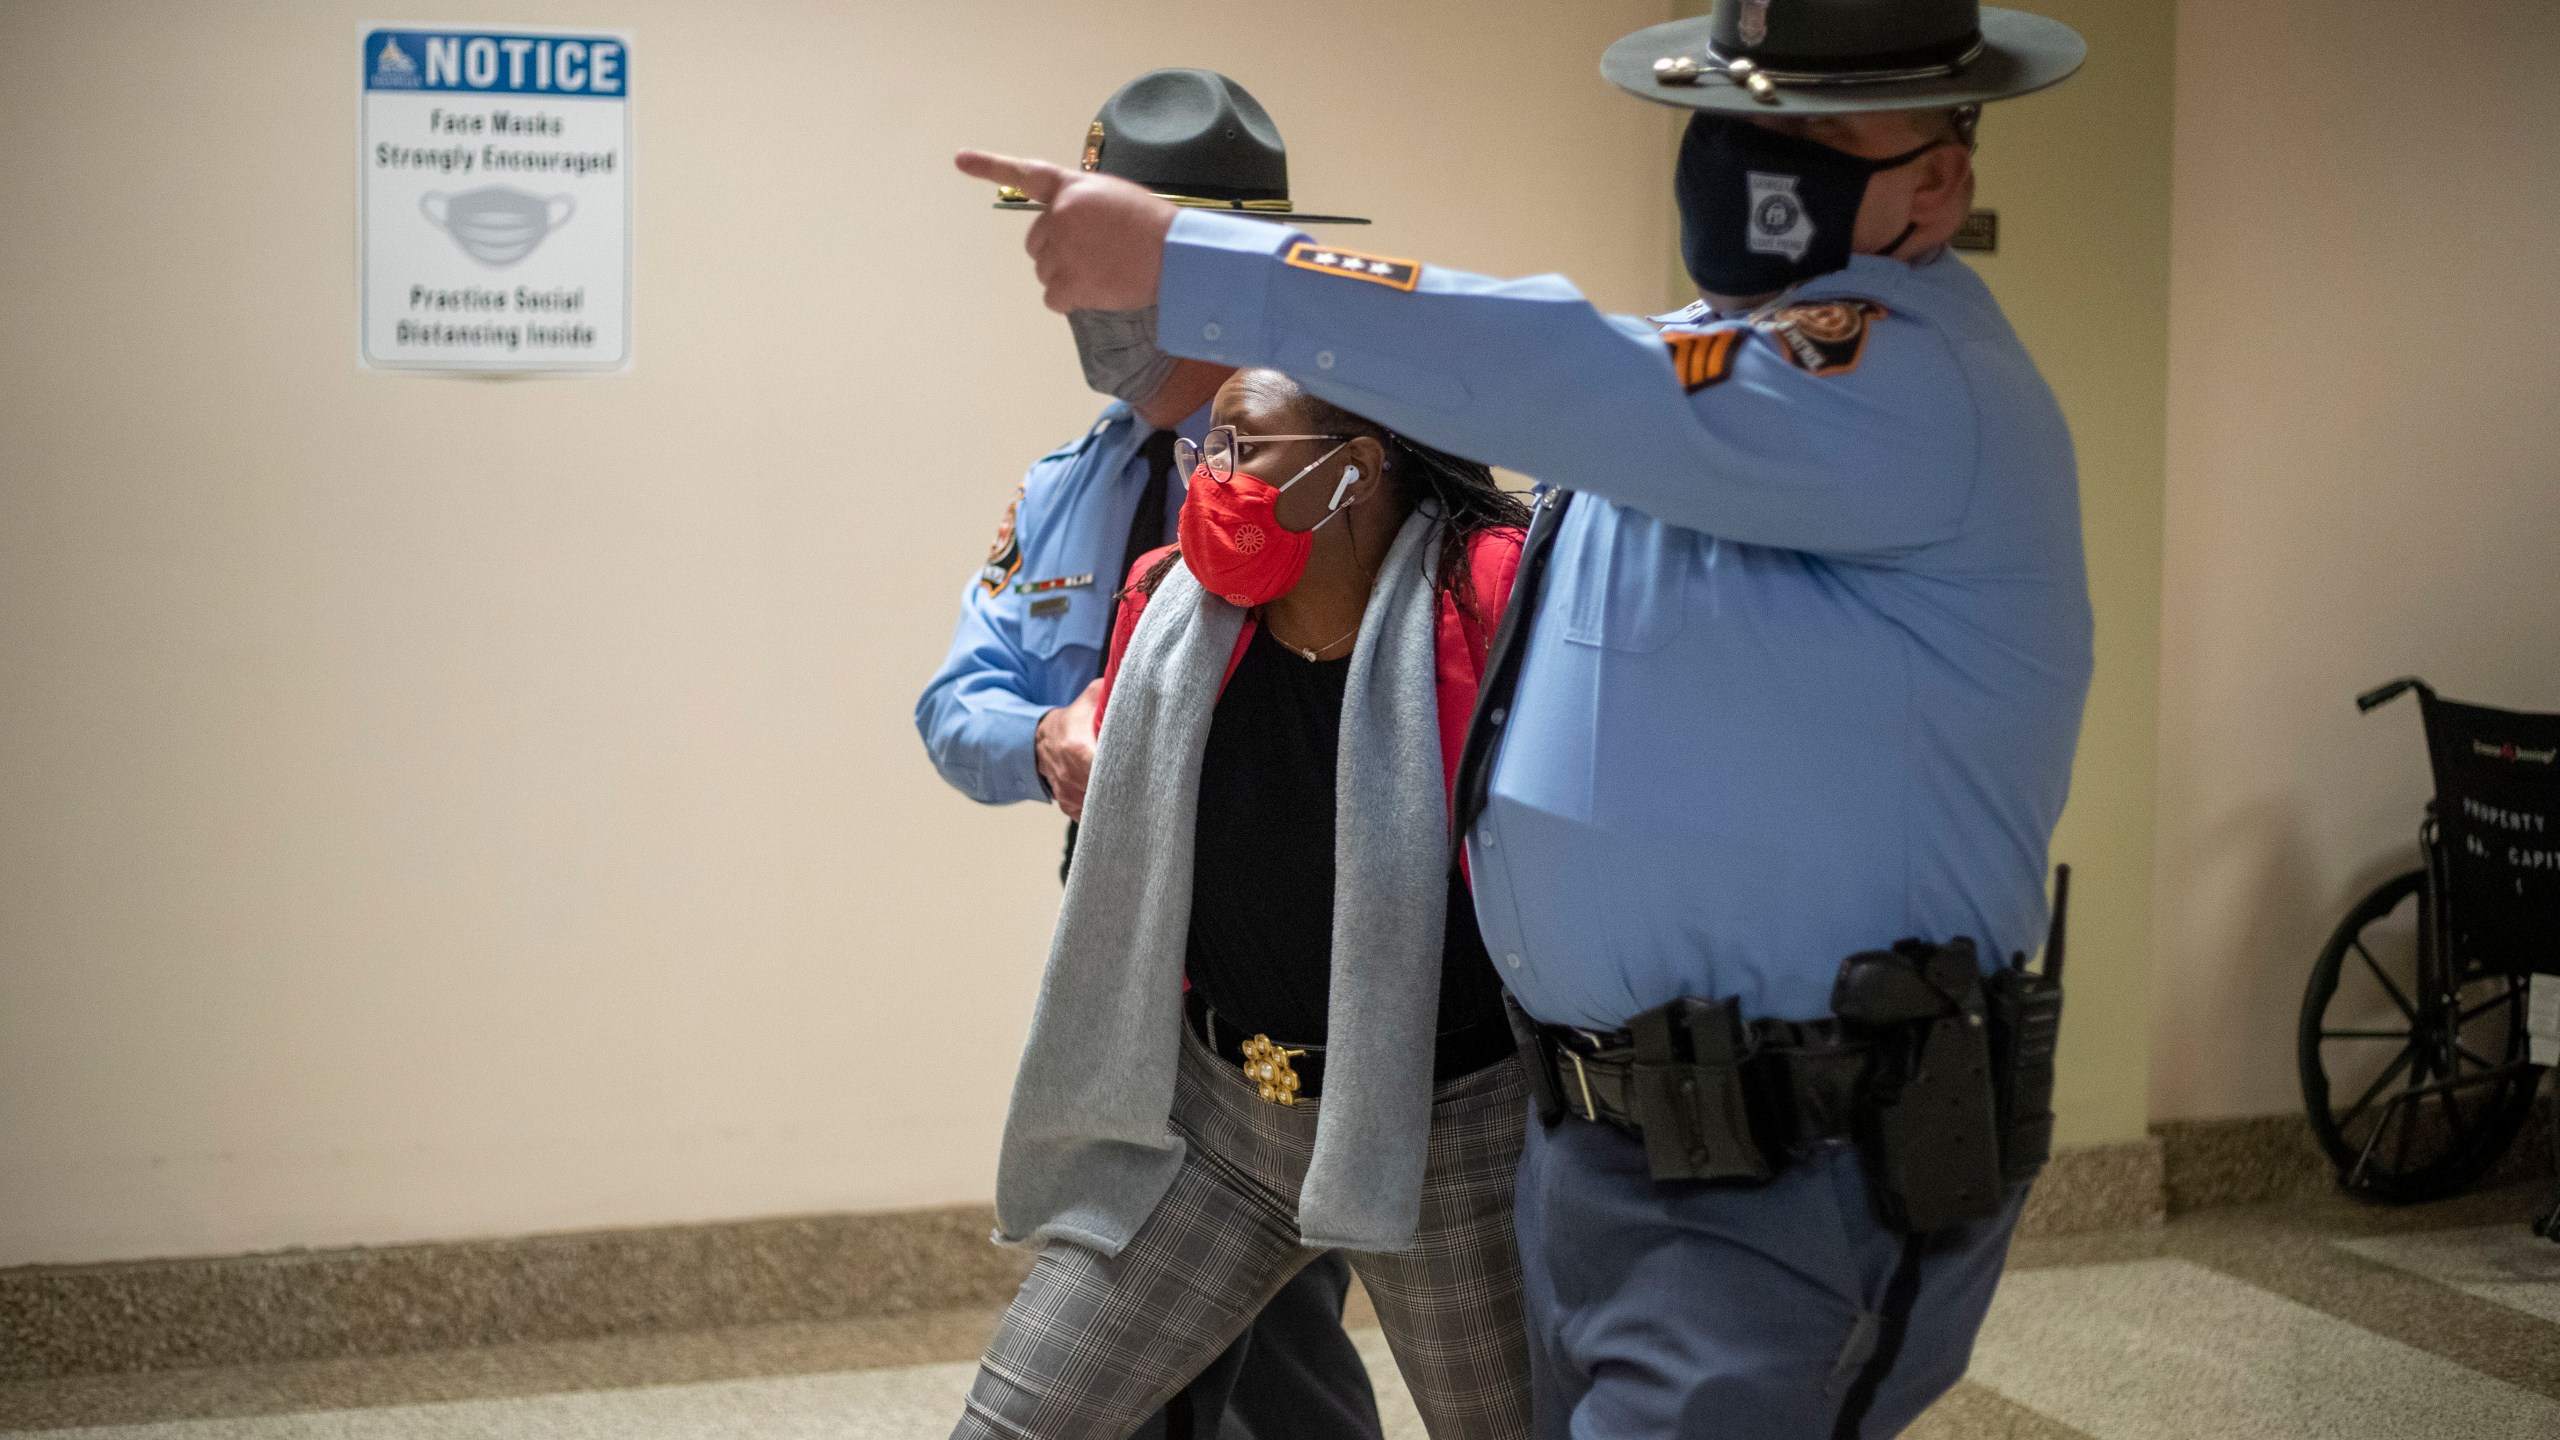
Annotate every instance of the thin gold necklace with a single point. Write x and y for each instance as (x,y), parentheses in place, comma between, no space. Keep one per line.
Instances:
(1304,653)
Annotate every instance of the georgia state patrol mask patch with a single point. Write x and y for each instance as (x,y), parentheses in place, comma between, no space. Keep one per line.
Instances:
(1004,558)
(1701,359)
(1823,337)
(1351,265)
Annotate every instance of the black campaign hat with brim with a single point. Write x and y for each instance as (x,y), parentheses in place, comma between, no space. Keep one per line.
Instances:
(1833,57)
(1196,138)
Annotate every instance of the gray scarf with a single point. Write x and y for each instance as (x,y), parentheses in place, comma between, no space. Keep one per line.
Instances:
(1087,1148)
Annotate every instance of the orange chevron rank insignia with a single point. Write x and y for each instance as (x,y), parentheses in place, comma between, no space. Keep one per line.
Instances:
(1700,359)
(1351,265)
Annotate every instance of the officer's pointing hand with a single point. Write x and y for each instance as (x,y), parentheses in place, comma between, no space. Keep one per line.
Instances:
(1099,244)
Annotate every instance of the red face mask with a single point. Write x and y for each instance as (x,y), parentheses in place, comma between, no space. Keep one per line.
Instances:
(1234,542)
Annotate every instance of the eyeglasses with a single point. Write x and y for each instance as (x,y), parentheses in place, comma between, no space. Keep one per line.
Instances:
(1217,450)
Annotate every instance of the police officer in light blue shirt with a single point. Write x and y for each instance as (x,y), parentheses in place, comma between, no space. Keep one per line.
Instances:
(1034,618)
(1009,716)
(1796,674)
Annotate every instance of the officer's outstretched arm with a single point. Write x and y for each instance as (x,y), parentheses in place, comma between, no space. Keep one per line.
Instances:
(1734,438)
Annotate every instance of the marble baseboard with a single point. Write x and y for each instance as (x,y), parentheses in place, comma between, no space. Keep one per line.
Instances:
(342,1304)
(2255,1159)
(2097,1187)
(2248,1160)
(336,1304)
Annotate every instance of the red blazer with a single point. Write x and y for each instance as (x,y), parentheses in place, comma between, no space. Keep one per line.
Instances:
(1464,634)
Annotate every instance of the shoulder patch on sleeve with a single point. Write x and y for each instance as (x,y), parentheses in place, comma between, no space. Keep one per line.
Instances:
(1701,358)
(1352,265)
(1823,337)
(1004,558)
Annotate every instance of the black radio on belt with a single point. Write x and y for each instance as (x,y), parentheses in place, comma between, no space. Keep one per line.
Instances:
(2026,1021)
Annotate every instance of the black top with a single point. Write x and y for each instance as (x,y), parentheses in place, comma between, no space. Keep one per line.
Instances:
(1261,949)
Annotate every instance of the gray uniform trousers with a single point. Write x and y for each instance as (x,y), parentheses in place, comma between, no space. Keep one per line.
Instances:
(1093,1344)
(1705,1311)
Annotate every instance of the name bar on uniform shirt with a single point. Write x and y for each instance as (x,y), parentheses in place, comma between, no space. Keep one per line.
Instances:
(1063,582)
(494,63)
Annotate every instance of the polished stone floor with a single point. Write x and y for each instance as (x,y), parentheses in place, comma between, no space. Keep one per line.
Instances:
(2316,1318)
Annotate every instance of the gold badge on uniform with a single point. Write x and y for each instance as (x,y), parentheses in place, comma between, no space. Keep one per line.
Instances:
(1823,337)
(1351,264)
(1700,359)
(1004,558)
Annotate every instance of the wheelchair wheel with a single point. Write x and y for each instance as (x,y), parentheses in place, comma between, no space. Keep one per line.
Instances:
(2382,1043)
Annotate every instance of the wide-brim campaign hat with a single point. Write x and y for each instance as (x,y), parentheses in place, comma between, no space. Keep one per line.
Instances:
(1830,57)
(1196,138)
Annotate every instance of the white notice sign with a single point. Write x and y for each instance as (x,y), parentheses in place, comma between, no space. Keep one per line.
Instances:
(494,200)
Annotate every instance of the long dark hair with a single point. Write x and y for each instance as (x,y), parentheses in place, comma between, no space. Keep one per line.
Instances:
(1459,492)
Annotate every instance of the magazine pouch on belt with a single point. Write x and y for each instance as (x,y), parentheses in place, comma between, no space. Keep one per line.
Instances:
(1690,1087)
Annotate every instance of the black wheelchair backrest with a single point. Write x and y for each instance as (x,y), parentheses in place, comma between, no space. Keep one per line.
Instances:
(2498,816)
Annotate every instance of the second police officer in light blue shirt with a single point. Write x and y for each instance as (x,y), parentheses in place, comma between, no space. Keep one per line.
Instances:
(1797,674)
(1009,716)
(1034,618)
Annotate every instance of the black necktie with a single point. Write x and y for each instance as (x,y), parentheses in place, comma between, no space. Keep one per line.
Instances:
(1146,527)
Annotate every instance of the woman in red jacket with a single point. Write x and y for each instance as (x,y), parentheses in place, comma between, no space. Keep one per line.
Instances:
(1269,1025)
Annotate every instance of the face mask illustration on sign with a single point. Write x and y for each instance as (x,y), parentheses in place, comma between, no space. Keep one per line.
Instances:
(496,225)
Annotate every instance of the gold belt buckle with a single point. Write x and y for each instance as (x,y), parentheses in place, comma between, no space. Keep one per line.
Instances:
(1267,1065)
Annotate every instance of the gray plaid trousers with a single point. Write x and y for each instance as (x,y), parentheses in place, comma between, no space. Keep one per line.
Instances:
(1093,1345)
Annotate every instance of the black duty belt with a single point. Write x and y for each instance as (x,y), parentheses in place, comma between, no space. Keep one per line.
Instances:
(1704,1111)
(1289,1073)
(1941,1074)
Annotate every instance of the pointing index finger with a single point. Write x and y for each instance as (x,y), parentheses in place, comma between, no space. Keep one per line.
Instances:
(1036,179)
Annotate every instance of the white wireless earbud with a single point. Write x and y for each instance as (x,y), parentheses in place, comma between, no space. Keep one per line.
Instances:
(1350,477)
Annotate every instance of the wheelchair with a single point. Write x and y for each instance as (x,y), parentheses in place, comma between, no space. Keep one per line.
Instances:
(2415,1046)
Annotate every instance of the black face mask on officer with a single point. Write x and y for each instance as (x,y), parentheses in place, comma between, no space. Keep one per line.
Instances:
(1761,210)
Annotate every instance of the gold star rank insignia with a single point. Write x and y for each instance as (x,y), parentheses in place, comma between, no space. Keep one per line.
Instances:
(1701,358)
(1376,269)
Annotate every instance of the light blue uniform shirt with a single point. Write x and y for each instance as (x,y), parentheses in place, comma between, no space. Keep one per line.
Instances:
(1808,671)
(1021,651)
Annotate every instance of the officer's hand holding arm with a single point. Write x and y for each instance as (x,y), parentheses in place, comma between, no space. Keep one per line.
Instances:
(1063,747)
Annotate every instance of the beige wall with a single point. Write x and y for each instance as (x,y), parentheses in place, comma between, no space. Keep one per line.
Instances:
(2364,410)
(438,807)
